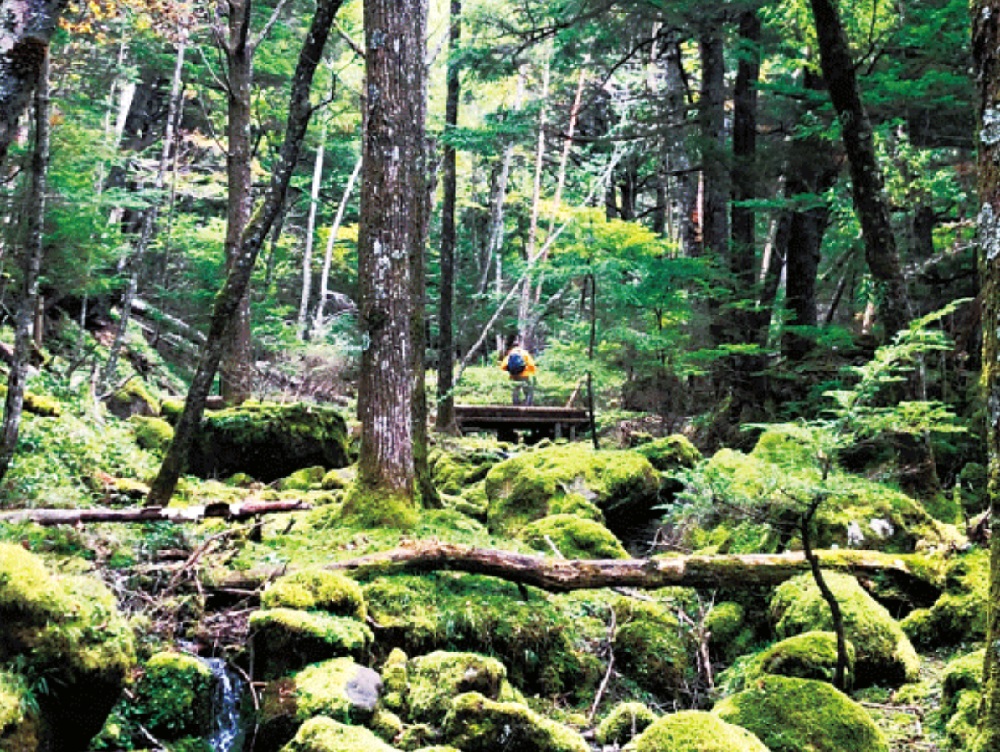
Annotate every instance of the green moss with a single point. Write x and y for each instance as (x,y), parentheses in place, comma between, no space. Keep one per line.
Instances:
(625,721)
(323,689)
(791,715)
(326,735)
(438,748)
(171,408)
(436,678)
(173,698)
(367,508)
(884,654)
(287,639)
(134,398)
(959,614)
(337,479)
(731,634)
(317,590)
(457,463)
(305,479)
(810,655)
(670,452)
(962,674)
(696,731)
(649,647)
(18,728)
(573,538)
(478,724)
(962,725)
(534,637)
(525,488)
(37,404)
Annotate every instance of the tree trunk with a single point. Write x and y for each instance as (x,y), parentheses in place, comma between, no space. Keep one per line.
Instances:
(324,279)
(236,371)
(228,301)
(715,175)
(391,233)
(563,575)
(310,238)
(26,26)
(446,324)
(31,267)
(867,185)
(985,45)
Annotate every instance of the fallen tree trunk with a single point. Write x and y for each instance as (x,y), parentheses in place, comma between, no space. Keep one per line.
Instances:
(238,511)
(563,575)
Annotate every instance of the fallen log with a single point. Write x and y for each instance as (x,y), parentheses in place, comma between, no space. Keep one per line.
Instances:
(238,511)
(705,572)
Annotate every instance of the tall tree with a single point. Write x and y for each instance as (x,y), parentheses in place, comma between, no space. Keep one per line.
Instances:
(390,234)
(867,183)
(31,267)
(986,48)
(446,335)
(26,26)
(228,300)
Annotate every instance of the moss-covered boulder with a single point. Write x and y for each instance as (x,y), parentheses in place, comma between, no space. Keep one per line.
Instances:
(132,399)
(19,728)
(317,590)
(305,479)
(325,735)
(572,479)
(437,678)
(625,721)
(810,655)
(649,646)
(731,633)
(269,441)
(173,697)
(695,731)
(396,681)
(338,689)
(285,639)
(670,452)
(458,463)
(961,688)
(536,639)
(884,654)
(858,512)
(792,715)
(572,537)
(151,433)
(959,614)
(67,629)
(478,724)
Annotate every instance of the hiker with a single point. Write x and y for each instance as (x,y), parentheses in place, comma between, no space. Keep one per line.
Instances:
(520,366)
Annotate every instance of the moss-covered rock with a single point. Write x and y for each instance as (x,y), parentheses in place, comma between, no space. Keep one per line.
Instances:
(959,614)
(730,633)
(134,398)
(269,441)
(792,715)
(570,479)
(317,590)
(962,674)
(173,697)
(437,678)
(573,538)
(67,629)
(884,654)
(396,681)
(285,640)
(478,724)
(810,655)
(695,731)
(305,479)
(670,452)
(457,463)
(649,646)
(962,725)
(625,721)
(325,735)
(528,631)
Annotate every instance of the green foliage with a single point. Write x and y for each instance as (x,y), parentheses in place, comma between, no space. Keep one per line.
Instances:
(152,434)
(959,613)
(884,654)
(625,721)
(789,715)
(696,731)
(173,698)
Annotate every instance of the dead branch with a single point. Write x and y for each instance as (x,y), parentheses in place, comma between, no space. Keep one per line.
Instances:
(239,511)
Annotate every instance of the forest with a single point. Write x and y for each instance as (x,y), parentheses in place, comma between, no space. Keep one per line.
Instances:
(271,479)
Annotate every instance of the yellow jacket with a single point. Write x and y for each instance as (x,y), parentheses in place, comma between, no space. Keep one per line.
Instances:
(529,364)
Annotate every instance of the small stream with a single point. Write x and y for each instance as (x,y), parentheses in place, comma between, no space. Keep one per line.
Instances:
(227,728)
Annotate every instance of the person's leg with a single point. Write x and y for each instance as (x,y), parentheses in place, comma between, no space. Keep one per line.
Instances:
(516,392)
(529,391)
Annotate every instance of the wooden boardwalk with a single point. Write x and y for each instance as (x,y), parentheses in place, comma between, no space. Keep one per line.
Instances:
(537,421)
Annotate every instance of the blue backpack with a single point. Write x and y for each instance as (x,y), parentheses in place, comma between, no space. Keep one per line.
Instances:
(516,364)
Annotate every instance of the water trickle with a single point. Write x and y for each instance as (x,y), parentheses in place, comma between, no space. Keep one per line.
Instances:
(227,729)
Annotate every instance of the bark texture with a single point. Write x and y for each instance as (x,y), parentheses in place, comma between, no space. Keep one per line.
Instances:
(391,232)
(26,27)
(985,45)
(867,182)
(227,302)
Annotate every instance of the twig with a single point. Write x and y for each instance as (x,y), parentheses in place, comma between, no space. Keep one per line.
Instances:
(612,629)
